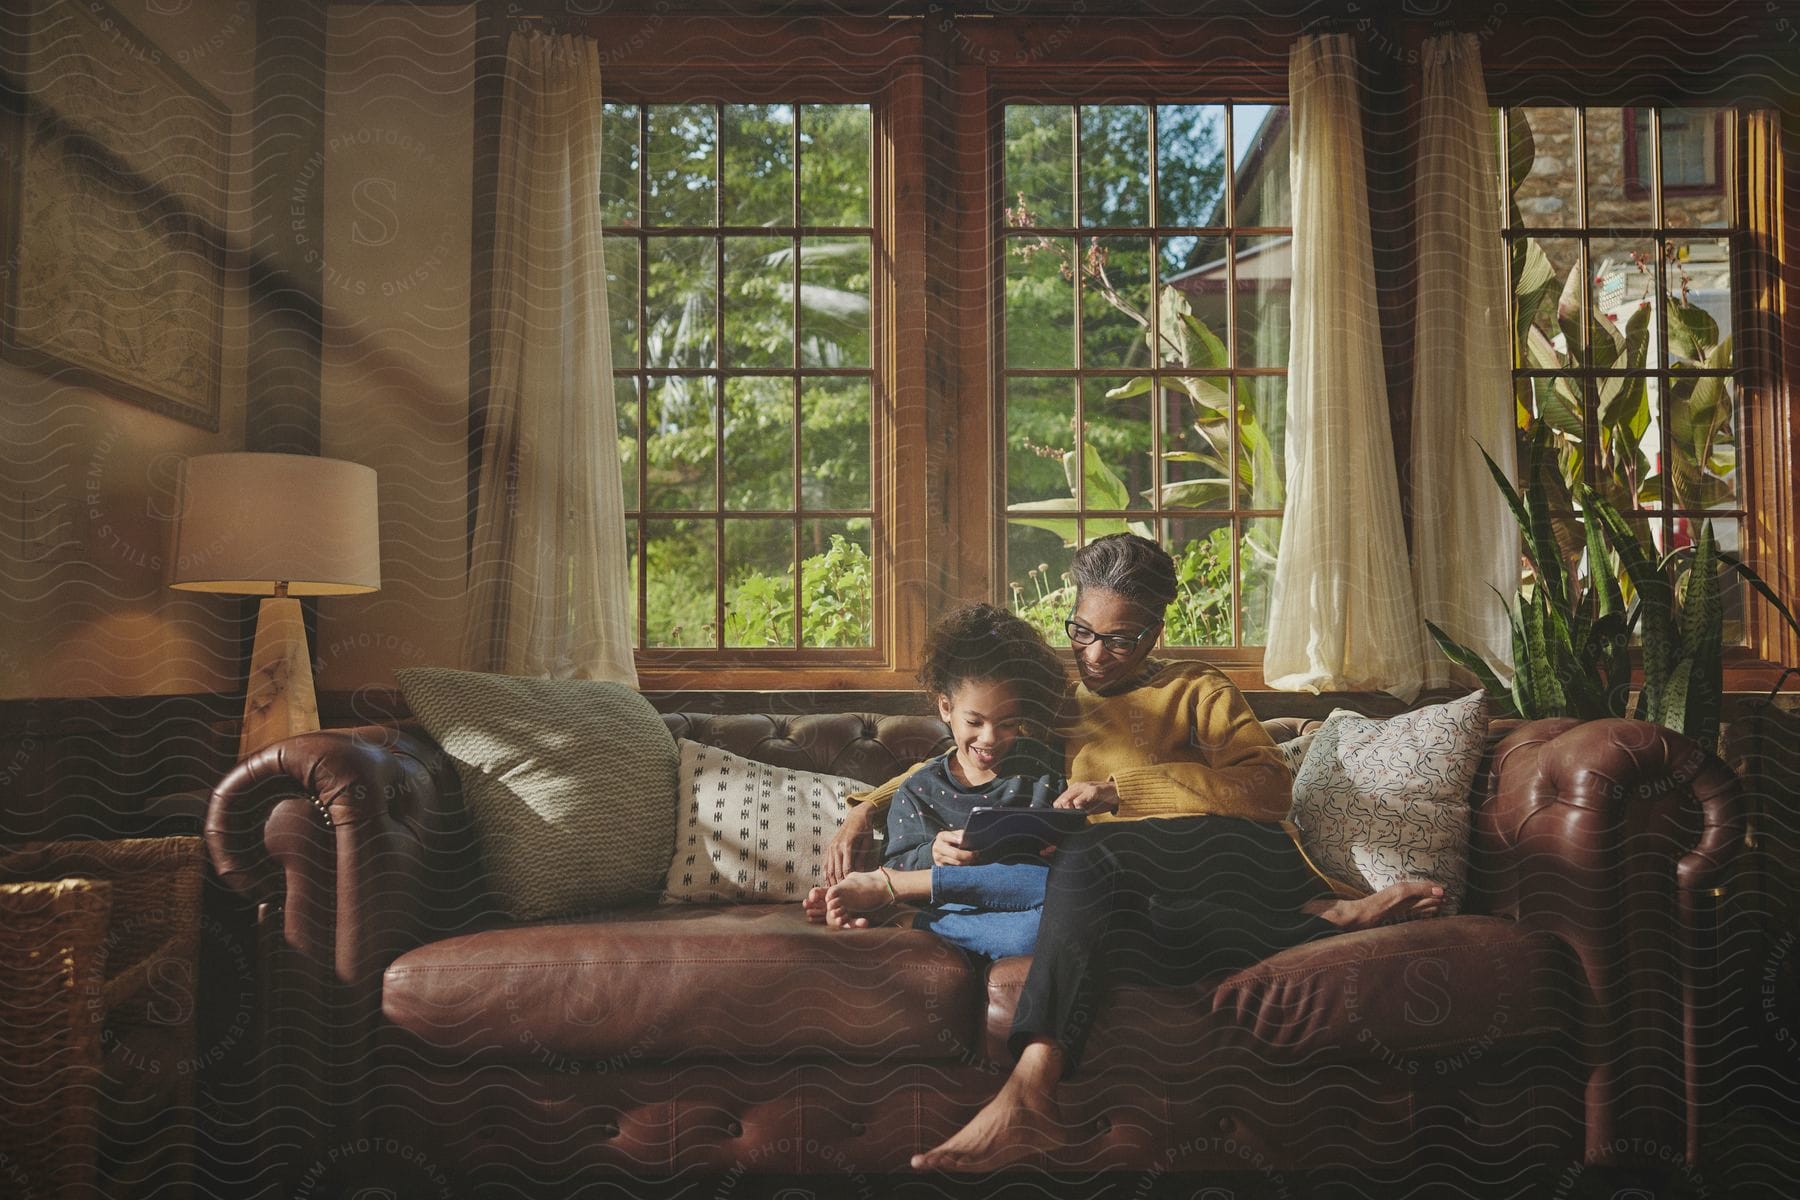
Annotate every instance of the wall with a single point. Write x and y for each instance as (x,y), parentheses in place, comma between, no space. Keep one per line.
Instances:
(399,130)
(86,478)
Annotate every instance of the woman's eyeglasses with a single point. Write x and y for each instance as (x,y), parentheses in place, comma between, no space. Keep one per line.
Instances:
(1113,643)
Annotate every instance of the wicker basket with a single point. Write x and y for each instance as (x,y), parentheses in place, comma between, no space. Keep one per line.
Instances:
(52,963)
(127,974)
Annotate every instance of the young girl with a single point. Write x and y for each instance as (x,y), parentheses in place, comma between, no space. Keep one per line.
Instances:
(993,678)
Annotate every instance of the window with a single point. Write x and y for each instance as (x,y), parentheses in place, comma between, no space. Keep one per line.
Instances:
(1147,263)
(1622,309)
(740,248)
(1692,143)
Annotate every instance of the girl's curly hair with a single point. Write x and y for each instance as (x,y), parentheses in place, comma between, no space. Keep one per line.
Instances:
(988,644)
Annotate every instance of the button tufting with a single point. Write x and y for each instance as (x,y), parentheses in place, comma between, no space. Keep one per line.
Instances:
(857,1129)
(609,1130)
(734,1128)
(1227,1124)
(1102,1125)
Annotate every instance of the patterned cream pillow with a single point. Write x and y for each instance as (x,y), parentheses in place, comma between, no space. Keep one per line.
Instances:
(1380,801)
(750,833)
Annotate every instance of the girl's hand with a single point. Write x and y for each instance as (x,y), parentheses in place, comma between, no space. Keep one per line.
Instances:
(852,848)
(1102,797)
(947,851)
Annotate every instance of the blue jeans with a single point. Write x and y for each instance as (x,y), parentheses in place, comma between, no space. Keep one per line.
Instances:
(990,909)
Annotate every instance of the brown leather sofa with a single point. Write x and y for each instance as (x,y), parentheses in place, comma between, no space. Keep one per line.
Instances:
(1562,1020)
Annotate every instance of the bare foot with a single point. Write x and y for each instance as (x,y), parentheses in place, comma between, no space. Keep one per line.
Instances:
(1021,1124)
(814,906)
(1408,901)
(856,893)
(1015,1127)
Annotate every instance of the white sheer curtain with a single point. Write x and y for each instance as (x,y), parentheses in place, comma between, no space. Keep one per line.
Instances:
(1465,542)
(548,588)
(1342,611)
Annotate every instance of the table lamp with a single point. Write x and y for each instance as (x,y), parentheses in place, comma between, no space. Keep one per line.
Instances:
(280,526)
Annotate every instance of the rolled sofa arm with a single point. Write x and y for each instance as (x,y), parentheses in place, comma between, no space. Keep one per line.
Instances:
(359,834)
(1607,833)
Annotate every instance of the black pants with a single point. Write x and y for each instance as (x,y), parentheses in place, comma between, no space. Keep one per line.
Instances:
(1164,901)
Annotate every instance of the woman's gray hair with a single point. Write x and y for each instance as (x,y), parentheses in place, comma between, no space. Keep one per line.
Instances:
(1130,566)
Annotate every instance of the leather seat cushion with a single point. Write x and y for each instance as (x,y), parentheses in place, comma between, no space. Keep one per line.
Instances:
(754,982)
(1436,994)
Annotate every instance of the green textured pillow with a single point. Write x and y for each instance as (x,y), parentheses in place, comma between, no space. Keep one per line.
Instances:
(571,784)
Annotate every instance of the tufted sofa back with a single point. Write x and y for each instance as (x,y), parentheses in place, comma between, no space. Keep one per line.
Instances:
(865,746)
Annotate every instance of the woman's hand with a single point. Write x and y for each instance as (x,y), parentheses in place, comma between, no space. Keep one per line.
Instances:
(1102,797)
(852,848)
(947,851)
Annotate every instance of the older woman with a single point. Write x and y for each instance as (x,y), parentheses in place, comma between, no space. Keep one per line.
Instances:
(1189,866)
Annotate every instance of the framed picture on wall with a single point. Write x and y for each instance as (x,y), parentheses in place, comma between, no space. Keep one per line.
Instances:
(114,212)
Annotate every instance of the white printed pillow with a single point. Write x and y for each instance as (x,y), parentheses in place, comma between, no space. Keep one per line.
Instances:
(1293,751)
(749,833)
(1381,801)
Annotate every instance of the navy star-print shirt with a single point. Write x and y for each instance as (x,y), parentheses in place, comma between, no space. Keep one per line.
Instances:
(931,800)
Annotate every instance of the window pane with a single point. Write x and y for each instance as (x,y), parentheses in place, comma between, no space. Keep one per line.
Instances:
(1546,279)
(834,164)
(834,443)
(622,299)
(631,574)
(1264,281)
(759,164)
(1260,165)
(1703,451)
(1630,454)
(619,164)
(1190,164)
(1559,401)
(1038,587)
(1540,142)
(1193,320)
(759,302)
(1733,592)
(1118,473)
(678,308)
(1040,159)
(1622,306)
(759,443)
(679,165)
(1262,441)
(679,583)
(1696,183)
(1256,565)
(759,583)
(1040,302)
(1197,442)
(1115,309)
(625,410)
(837,593)
(679,444)
(1618,168)
(1201,614)
(834,302)
(1115,164)
(1040,430)
(1699,306)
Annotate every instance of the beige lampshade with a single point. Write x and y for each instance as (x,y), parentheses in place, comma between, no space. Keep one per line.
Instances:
(247,522)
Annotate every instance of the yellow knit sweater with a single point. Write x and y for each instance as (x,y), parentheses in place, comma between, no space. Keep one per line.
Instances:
(1182,743)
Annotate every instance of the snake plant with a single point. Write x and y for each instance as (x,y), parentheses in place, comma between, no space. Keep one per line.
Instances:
(1571,635)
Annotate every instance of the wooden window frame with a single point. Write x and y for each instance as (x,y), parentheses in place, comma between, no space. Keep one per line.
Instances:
(1149,88)
(942,72)
(664,62)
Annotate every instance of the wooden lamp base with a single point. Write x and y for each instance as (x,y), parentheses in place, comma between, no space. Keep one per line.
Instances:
(280,700)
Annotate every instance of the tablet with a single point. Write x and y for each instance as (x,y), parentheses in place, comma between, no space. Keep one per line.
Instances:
(998,832)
